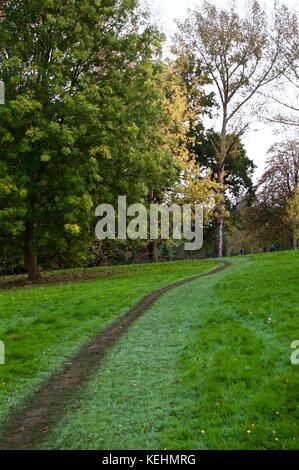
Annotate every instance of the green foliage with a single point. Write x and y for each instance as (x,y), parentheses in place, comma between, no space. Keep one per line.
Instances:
(238,167)
(273,217)
(82,120)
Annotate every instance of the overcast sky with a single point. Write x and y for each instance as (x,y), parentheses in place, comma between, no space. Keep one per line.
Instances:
(166,11)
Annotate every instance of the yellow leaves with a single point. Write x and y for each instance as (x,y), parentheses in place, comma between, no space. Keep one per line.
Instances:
(87,202)
(66,150)
(73,229)
(51,20)
(35,134)
(23,193)
(7,138)
(6,187)
(133,130)
(93,160)
(293,208)
(292,217)
(25,104)
(45,157)
(102,150)
(192,186)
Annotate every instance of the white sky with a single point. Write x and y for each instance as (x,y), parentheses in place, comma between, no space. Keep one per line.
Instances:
(165,12)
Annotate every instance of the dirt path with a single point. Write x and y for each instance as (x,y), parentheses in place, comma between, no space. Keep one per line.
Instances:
(46,407)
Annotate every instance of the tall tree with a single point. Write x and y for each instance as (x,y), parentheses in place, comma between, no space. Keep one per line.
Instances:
(238,167)
(242,55)
(281,177)
(185,104)
(270,216)
(81,122)
(292,216)
(285,96)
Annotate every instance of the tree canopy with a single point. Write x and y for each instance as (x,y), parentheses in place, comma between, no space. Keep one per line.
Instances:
(82,121)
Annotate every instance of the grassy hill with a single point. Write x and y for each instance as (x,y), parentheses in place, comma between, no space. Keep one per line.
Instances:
(207,367)
(44,326)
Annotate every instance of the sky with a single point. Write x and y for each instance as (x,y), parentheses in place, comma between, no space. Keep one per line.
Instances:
(261,136)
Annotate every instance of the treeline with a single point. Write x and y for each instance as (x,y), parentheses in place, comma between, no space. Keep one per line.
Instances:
(271,221)
(92,111)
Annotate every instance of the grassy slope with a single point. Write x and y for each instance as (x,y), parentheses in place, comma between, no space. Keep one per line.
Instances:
(43,326)
(205,368)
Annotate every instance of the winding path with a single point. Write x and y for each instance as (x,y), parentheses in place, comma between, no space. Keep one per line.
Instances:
(45,408)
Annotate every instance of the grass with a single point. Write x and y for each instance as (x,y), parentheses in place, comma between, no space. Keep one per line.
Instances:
(208,367)
(42,327)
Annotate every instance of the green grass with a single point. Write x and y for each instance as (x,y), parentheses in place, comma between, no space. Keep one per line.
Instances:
(208,367)
(44,326)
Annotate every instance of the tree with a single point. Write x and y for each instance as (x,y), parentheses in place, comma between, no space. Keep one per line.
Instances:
(281,177)
(285,96)
(241,57)
(238,172)
(293,216)
(240,237)
(186,106)
(238,167)
(81,122)
(272,218)
(185,103)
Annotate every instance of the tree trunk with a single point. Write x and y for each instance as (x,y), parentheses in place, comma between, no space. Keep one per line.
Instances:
(219,235)
(153,251)
(29,254)
(295,241)
(220,210)
(219,219)
(152,247)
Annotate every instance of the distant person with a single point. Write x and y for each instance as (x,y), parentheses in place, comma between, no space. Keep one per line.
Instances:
(242,252)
